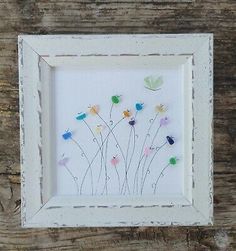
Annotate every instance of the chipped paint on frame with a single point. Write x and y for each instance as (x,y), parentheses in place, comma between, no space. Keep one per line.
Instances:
(191,214)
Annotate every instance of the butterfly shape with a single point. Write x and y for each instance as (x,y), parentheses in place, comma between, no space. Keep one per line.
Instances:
(153,83)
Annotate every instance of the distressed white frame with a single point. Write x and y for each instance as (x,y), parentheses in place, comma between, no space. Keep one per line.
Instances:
(38,55)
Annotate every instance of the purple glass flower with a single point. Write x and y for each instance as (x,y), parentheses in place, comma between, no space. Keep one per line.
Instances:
(164,121)
(63,161)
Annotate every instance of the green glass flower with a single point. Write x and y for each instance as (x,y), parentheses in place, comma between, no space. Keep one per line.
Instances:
(173,160)
(115,99)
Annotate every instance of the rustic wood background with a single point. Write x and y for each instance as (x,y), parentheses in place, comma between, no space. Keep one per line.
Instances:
(122,16)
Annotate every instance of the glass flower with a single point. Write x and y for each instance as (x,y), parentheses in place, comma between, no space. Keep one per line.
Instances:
(99,128)
(126,114)
(63,161)
(114,160)
(160,109)
(132,122)
(81,116)
(93,110)
(164,121)
(170,140)
(115,99)
(139,106)
(148,150)
(67,135)
(173,160)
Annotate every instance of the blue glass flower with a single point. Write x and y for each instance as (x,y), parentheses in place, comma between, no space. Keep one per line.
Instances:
(139,106)
(132,122)
(170,140)
(67,135)
(81,116)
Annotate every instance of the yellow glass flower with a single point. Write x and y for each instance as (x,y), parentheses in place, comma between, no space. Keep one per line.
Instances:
(93,110)
(126,114)
(99,128)
(160,108)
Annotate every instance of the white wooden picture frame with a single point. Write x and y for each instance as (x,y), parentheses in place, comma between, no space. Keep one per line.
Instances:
(40,60)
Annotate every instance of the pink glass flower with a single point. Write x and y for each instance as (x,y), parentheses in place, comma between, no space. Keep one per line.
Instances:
(148,150)
(114,160)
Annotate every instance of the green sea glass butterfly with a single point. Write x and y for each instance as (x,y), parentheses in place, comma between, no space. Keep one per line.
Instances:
(153,83)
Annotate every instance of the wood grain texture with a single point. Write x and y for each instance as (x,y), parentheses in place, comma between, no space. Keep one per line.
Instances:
(54,17)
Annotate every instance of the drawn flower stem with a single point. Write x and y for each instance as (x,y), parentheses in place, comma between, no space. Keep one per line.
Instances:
(154,138)
(114,136)
(94,137)
(145,160)
(118,176)
(95,140)
(100,171)
(75,179)
(110,114)
(136,176)
(161,174)
(141,156)
(134,145)
(106,176)
(94,157)
(149,165)
(89,163)
(125,183)
(132,154)
(105,186)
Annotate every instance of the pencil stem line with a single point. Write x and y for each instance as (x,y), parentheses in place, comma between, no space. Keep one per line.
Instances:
(161,173)
(141,153)
(110,114)
(100,171)
(94,138)
(74,178)
(154,138)
(94,157)
(136,177)
(105,185)
(132,154)
(88,162)
(134,145)
(144,164)
(118,176)
(148,168)
(106,180)
(111,131)
(125,183)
